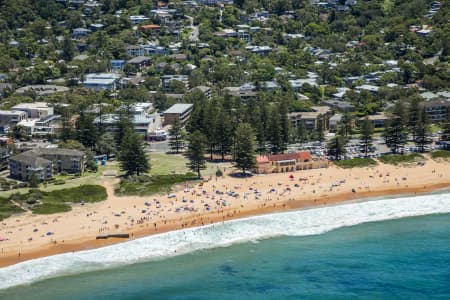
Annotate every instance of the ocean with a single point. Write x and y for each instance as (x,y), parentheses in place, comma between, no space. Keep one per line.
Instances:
(383,249)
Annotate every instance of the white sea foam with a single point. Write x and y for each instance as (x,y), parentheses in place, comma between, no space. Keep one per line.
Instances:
(294,223)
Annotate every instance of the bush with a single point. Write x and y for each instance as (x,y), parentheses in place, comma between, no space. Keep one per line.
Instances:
(396,159)
(445,154)
(63,173)
(51,208)
(148,185)
(7,208)
(87,193)
(356,163)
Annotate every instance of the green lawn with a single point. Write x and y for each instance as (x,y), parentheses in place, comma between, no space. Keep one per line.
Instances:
(356,163)
(396,159)
(70,181)
(163,164)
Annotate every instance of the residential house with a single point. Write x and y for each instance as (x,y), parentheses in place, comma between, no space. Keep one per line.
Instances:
(135,50)
(102,81)
(117,65)
(179,111)
(80,32)
(42,89)
(261,50)
(167,79)
(142,121)
(140,62)
(437,110)
(138,19)
(366,87)
(378,120)
(270,86)
(44,162)
(339,105)
(49,125)
(206,90)
(244,35)
(4,158)
(151,28)
(154,50)
(28,164)
(236,91)
(96,26)
(312,119)
(298,83)
(9,118)
(334,122)
(35,109)
(178,57)
(289,162)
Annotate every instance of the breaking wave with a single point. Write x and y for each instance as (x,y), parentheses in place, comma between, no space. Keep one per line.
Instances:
(293,223)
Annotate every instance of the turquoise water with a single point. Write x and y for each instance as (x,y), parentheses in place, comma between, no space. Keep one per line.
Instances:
(406,258)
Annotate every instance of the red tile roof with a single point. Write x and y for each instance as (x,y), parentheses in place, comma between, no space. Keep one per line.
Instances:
(262,159)
(151,26)
(302,156)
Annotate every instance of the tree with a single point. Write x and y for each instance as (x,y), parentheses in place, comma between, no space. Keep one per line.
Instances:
(245,147)
(446,129)
(68,49)
(106,144)
(320,130)
(366,134)
(224,130)
(414,112)
(196,152)
(34,180)
(176,137)
(274,131)
(423,130)
(123,126)
(132,157)
(347,124)
(395,134)
(18,132)
(285,123)
(336,146)
(86,130)
(302,133)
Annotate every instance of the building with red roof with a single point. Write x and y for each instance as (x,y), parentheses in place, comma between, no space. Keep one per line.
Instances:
(289,162)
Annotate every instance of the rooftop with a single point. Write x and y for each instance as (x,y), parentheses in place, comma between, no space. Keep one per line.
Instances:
(179,108)
(32,105)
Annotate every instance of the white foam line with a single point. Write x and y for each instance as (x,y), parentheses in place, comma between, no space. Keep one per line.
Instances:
(293,223)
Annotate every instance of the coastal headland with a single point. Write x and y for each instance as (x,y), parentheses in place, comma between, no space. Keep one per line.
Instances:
(27,236)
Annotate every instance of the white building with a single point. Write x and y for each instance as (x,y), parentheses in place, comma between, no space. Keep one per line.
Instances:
(35,110)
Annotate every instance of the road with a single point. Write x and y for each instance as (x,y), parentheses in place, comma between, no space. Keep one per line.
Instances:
(193,37)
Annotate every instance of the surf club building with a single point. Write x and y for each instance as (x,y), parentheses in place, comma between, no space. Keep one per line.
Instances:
(289,162)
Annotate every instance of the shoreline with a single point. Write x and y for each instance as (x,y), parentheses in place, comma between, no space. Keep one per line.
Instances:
(292,205)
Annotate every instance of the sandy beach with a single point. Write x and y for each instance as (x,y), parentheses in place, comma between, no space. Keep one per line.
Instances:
(31,236)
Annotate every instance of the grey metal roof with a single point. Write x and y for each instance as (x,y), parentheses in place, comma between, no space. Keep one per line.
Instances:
(31,158)
(179,108)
